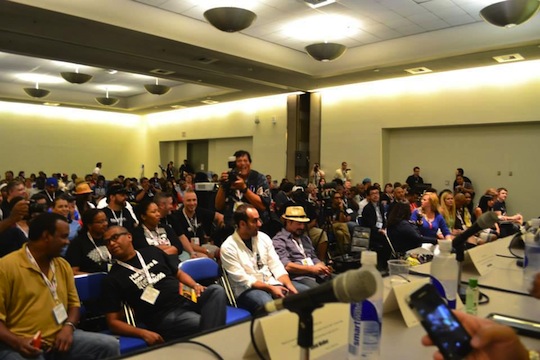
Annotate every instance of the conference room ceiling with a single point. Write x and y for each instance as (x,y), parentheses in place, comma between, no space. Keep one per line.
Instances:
(171,40)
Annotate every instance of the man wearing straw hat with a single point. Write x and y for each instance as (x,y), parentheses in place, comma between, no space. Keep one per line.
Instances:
(296,251)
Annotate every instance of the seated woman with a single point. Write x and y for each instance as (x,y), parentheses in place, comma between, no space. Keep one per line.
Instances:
(428,219)
(448,211)
(403,234)
(486,204)
(87,253)
(151,233)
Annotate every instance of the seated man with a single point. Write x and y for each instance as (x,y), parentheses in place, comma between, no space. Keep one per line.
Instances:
(509,224)
(194,225)
(296,251)
(38,295)
(340,219)
(148,281)
(255,272)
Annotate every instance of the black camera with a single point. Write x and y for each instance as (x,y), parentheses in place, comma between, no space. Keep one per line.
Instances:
(233,173)
(35,208)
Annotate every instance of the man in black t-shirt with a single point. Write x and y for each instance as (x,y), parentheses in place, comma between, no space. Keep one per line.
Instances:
(148,281)
(195,224)
(116,211)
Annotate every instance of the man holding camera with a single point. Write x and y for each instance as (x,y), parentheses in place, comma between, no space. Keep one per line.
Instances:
(241,185)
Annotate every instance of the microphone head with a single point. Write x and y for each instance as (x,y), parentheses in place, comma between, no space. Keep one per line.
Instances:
(487,220)
(354,286)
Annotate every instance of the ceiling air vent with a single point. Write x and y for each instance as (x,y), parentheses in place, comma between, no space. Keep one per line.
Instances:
(318,3)
(161,72)
(206,61)
(418,70)
(508,58)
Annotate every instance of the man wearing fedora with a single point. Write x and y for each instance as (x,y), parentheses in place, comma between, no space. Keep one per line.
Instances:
(296,251)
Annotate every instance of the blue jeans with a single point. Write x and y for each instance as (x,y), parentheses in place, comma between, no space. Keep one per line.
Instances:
(208,313)
(253,299)
(86,346)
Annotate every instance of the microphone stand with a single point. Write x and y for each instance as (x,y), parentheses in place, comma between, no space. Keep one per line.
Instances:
(305,329)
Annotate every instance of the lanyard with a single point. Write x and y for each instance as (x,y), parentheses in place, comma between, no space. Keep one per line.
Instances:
(49,196)
(52,285)
(103,257)
(194,225)
(119,222)
(138,271)
(299,246)
(160,237)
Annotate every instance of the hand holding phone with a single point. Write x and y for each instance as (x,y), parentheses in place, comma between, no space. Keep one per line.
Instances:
(442,326)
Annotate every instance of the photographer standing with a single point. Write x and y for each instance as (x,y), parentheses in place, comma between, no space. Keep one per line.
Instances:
(343,173)
(316,174)
(241,185)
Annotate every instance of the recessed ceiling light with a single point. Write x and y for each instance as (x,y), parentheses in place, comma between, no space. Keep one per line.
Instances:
(112,71)
(51,104)
(508,58)
(418,70)
(318,3)
(161,72)
(178,107)
(210,102)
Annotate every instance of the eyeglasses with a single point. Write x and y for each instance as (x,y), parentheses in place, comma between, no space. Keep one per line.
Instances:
(114,237)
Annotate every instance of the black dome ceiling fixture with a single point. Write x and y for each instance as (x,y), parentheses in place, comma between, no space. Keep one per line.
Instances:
(76,77)
(230,19)
(325,51)
(157,89)
(36,92)
(107,101)
(510,13)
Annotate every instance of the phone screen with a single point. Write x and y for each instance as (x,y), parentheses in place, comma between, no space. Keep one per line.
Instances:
(442,326)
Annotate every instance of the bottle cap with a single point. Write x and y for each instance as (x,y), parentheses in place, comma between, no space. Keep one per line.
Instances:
(445,245)
(368,258)
(473,282)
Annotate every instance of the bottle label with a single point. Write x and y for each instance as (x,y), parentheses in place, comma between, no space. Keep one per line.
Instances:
(365,329)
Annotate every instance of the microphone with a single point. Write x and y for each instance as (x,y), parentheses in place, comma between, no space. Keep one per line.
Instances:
(486,220)
(351,286)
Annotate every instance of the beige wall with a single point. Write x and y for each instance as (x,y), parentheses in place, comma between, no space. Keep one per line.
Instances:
(36,137)
(230,126)
(357,123)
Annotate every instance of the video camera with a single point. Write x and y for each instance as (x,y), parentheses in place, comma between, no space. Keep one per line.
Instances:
(233,172)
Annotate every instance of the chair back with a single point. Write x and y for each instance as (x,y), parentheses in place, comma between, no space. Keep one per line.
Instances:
(201,269)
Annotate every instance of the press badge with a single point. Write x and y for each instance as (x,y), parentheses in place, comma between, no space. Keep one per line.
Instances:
(150,295)
(307,261)
(60,314)
(195,241)
(379,225)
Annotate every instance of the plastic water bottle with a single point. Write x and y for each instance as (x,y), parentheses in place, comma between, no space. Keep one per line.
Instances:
(531,263)
(366,317)
(472,296)
(445,269)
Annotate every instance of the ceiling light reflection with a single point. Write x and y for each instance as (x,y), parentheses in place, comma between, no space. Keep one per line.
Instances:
(322,28)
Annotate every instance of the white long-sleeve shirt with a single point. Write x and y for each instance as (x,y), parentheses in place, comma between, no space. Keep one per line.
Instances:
(242,264)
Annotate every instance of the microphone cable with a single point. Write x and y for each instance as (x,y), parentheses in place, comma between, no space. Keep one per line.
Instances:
(214,352)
